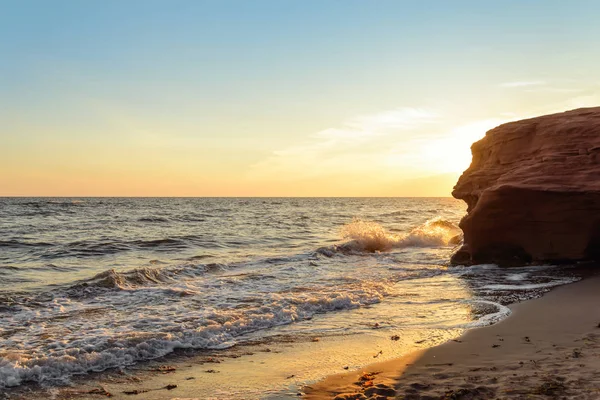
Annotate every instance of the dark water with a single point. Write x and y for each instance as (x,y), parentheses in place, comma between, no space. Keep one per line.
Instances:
(90,284)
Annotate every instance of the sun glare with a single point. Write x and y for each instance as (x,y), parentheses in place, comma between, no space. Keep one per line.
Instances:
(453,153)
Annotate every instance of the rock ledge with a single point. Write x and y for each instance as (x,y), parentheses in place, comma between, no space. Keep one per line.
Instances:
(533,192)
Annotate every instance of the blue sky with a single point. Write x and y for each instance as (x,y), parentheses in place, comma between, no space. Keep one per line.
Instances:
(242,97)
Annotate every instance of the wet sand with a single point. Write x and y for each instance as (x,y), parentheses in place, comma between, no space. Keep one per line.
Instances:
(548,348)
(268,370)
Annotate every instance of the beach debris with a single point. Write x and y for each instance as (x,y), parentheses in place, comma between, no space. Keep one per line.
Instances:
(551,387)
(495,345)
(140,391)
(457,340)
(134,392)
(527,339)
(378,354)
(395,338)
(366,379)
(211,371)
(420,386)
(290,377)
(366,376)
(101,391)
(576,353)
(480,392)
(316,339)
(350,396)
(346,367)
(420,341)
(165,369)
(189,378)
(380,390)
(376,326)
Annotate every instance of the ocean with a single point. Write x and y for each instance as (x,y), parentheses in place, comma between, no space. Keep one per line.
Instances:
(90,284)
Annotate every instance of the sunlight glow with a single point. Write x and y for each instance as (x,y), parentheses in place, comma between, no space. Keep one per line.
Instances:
(453,152)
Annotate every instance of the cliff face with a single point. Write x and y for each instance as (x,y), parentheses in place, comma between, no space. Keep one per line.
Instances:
(533,192)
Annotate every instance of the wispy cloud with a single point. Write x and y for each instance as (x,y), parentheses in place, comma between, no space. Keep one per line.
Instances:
(519,84)
(379,124)
(550,89)
(374,154)
(356,145)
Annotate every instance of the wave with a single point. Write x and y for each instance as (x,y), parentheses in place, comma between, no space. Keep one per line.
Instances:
(153,219)
(139,278)
(204,328)
(530,286)
(193,217)
(18,244)
(100,247)
(112,279)
(487,318)
(157,243)
(369,236)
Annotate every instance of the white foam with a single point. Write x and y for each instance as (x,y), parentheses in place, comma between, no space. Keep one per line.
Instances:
(518,277)
(489,319)
(530,286)
(76,343)
(371,236)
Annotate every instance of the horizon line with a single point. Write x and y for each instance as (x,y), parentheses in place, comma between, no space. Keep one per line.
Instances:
(221,197)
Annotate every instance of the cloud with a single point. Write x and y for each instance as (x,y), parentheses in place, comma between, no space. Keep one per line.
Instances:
(519,84)
(400,118)
(549,89)
(355,146)
(393,152)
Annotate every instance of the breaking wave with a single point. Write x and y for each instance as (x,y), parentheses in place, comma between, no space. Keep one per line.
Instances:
(157,335)
(371,237)
(139,277)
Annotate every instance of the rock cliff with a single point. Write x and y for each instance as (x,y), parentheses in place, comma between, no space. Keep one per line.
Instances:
(533,192)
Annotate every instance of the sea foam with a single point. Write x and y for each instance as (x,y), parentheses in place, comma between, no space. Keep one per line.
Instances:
(371,237)
(75,345)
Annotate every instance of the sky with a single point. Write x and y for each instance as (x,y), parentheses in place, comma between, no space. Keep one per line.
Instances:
(276,98)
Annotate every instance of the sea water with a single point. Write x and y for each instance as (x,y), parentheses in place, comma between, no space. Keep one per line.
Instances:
(91,284)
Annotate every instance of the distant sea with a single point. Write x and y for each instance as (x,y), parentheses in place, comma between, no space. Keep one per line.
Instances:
(88,284)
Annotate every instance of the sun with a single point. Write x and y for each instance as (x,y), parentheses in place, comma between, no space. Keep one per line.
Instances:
(452,153)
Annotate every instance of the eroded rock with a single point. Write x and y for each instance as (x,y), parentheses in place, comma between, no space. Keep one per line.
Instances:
(533,192)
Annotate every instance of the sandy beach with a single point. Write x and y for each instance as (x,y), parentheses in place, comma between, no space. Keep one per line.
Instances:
(548,348)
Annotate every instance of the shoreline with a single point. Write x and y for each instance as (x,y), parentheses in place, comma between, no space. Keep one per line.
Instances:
(206,376)
(547,347)
(270,370)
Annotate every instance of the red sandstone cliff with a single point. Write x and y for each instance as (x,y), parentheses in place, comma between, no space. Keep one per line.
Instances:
(533,191)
